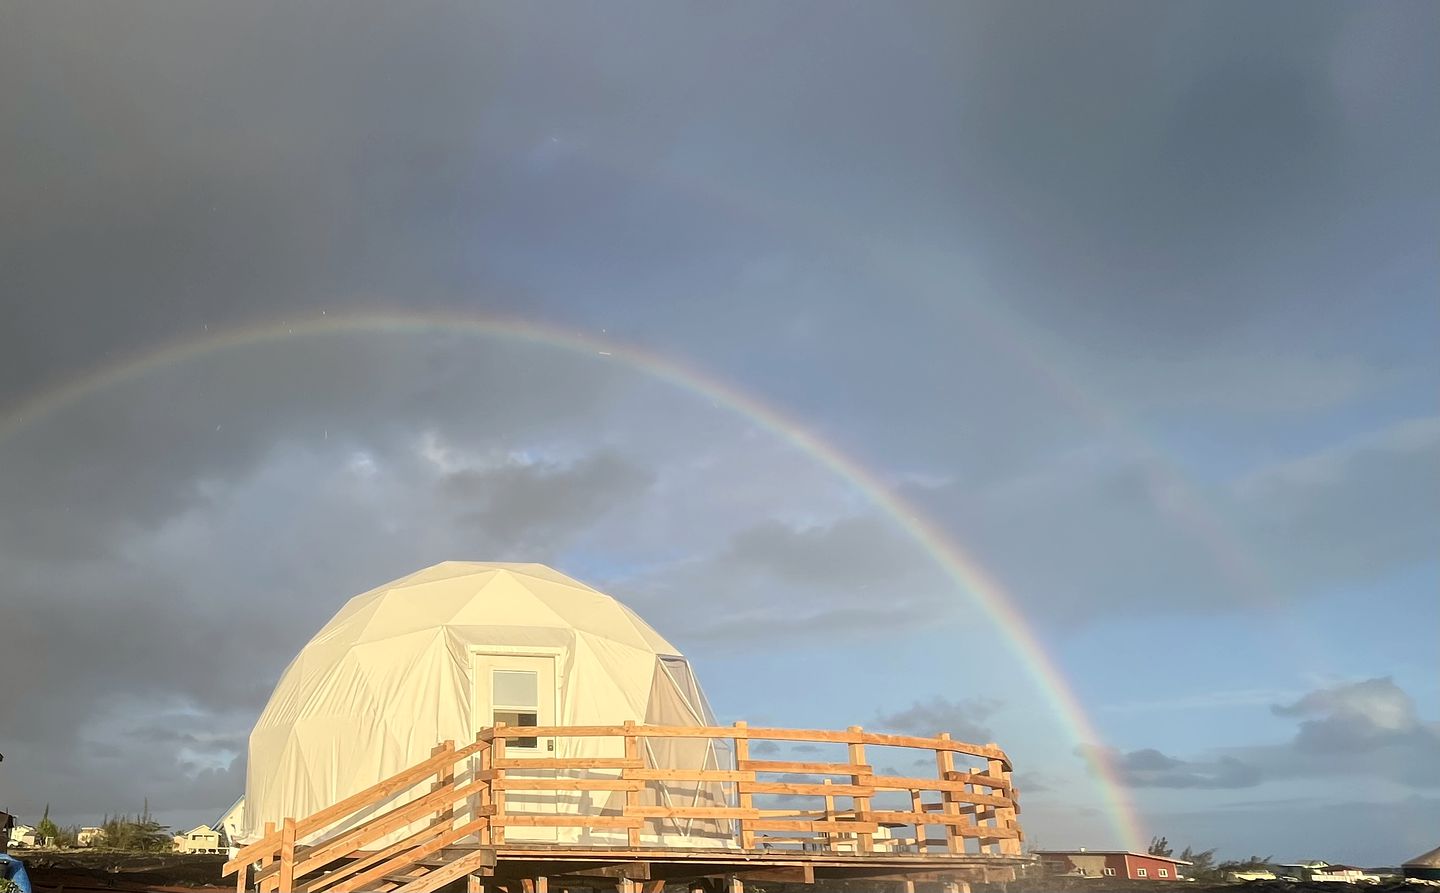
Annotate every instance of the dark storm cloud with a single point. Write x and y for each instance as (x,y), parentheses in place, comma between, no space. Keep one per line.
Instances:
(823,207)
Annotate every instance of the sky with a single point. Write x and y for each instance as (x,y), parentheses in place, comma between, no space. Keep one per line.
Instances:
(1133,304)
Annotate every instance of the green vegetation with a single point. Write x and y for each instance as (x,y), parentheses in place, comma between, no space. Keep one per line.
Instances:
(138,834)
(47,830)
(1202,864)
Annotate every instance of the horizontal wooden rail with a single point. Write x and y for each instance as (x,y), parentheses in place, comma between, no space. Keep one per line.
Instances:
(393,832)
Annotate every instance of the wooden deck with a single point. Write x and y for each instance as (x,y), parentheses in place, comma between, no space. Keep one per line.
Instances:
(446,818)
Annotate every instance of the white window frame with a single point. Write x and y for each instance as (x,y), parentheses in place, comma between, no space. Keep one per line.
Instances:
(1141,872)
(1109,872)
(1164,872)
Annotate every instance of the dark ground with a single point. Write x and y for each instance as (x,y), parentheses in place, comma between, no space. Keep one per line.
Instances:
(92,871)
(80,871)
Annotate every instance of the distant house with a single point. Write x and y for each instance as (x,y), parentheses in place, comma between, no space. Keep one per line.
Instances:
(1425,867)
(200,839)
(1111,863)
(1322,872)
(1250,874)
(24,835)
(231,823)
(90,836)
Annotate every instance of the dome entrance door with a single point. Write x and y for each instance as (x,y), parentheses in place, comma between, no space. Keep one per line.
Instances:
(519,690)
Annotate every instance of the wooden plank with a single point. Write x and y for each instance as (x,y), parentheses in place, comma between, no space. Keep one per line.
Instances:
(917,806)
(439,877)
(331,878)
(956,790)
(922,818)
(513,783)
(632,795)
(353,803)
(1003,783)
(944,765)
(570,821)
(718,775)
(403,860)
(942,742)
(635,871)
(573,763)
(780,874)
(287,857)
(807,790)
(802,767)
(842,826)
(742,756)
(865,841)
(693,812)
(497,786)
(319,856)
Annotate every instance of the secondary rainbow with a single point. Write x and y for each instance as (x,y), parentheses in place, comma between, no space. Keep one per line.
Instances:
(961,567)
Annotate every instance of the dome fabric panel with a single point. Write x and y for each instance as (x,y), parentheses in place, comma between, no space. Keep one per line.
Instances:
(393,673)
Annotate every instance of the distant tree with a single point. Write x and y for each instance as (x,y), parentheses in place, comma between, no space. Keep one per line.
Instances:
(1253,863)
(139,834)
(1202,864)
(47,829)
(1160,846)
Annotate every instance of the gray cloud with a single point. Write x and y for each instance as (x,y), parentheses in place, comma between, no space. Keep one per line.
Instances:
(1368,729)
(530,506)
(964,719)
(946,240)
(1149,768)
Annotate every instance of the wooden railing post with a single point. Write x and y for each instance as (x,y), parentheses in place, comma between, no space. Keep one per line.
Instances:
(632,796)
(497,786)
(917,805)
(746,799)
(287,856)
(1004,815)
(830,836)
(270,859)
(944,765)
(485,796)
(444,777)
(864,840)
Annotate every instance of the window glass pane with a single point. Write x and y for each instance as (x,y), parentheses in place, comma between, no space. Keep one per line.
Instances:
(515,688)
(518,718)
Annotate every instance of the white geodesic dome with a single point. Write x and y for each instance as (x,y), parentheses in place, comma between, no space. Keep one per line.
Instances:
(449,649)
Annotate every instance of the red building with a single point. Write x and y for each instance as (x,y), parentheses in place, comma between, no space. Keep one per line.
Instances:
(1111,863)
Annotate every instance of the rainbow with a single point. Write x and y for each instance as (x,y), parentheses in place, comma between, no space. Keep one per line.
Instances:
(961,567)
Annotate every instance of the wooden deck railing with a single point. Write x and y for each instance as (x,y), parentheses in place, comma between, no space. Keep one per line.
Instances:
(753,804)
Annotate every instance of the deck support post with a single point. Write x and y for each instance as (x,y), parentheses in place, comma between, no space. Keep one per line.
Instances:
(474,883)
(497,786)
(944,765)
(733,884)
(287,856)
(747,800)
(632,798)
(864,840)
